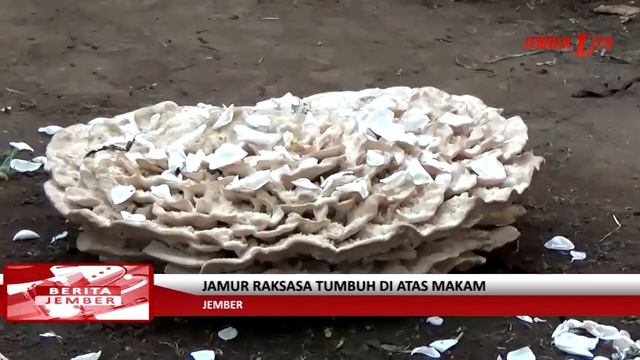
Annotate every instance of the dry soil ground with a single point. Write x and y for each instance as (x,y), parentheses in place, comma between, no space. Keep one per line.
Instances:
(68,62)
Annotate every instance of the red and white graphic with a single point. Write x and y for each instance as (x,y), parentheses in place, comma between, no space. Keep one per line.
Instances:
(48,292)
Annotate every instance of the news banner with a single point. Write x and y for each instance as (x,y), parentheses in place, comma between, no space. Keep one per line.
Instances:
(132,293)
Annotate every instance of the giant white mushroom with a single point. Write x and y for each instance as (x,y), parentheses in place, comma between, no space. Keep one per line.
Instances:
(402,179)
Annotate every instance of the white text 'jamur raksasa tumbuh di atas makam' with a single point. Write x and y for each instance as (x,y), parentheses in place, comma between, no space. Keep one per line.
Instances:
(397,180)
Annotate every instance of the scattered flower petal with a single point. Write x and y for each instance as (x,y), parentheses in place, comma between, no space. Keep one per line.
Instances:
(414,120)
(50,130)
(602,332)
(21,146)
(132,217)
(489,169)
(524,353)
(89,356)
(225,118)
(305,184)
(203,355)
(526,319)
(443,345)
(435,320)
(59,237)
(574,344)
(577,255)
(50,334)
(226,154)
(23,166)
(245,133)
(455,120)
(25,235)
(308,163)
(427,351)
(359,186)
(194,161)
(162,192)
(258,120)
(375,158)
(252,182)
(169,175)
(623,344)
(40,159)
(121,193)
(380,121)
(559,243)
(417,172)
(228,333)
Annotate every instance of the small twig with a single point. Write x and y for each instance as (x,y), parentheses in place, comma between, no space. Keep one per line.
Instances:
(175,346)
(612,231)
(14,91)
(513,56)
(472,68)
(609,92)
(548,63)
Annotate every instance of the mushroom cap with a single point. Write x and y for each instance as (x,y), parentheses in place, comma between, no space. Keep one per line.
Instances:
(379,180)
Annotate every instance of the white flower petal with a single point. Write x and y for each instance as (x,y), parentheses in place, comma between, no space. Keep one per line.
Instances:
(60,236)
(162,192)
(489,169)
(40,159)
(225,155)
(417,172)
(225,118)
(577,255)
(50,130)
(359,186)
(526,319)
(23,166)
(245,133)
(21,146)
(427,351)
(305,184)
(524,353)
(252,182)
(132,217)
(375,157)
(49,334)
(25,235)
(559,243)
(203,355)
(258,120)
(193,161)
(228,333)
(89,356)
(443,345)
(575,344)
(121,193)
(435,320)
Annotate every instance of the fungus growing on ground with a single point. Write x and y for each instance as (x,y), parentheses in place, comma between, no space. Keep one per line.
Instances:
(379,180)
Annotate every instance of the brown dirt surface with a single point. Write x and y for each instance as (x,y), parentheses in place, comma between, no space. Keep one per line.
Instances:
(68,62)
